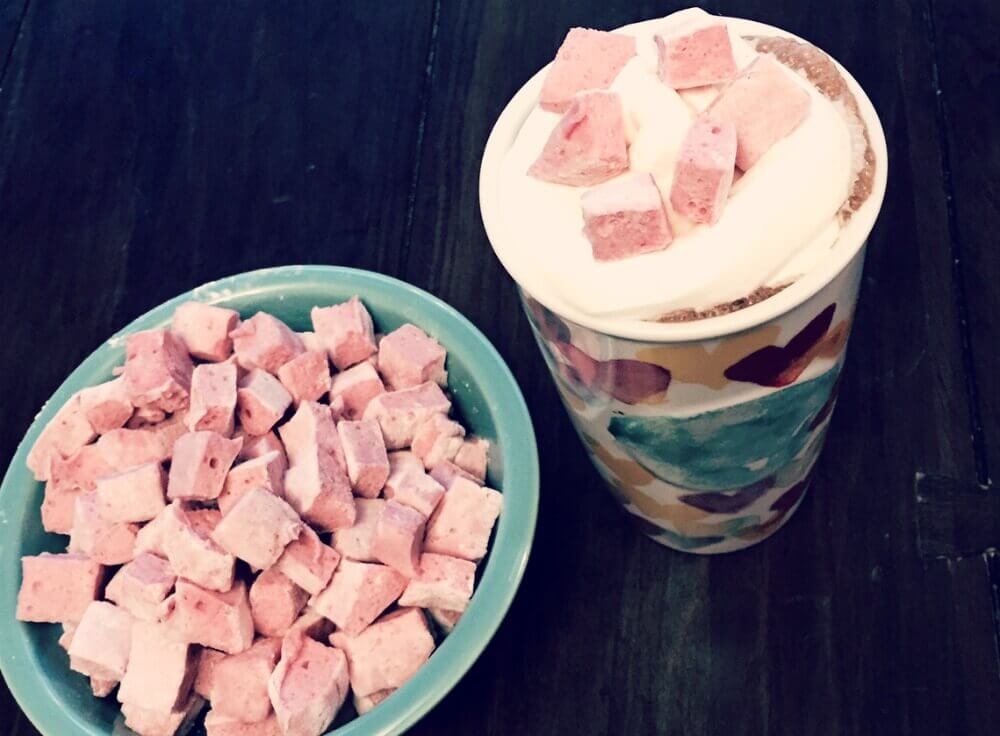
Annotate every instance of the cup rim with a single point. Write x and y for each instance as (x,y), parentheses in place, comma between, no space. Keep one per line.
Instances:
(853,237)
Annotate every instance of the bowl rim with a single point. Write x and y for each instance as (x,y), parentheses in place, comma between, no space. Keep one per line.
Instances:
(501,575)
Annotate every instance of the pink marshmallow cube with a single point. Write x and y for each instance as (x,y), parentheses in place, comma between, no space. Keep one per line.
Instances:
(265,342)
(445,473)
(266,472)
(312,341)
(108,542)
(262,402)
(148,722)
(308,686)
(437,439)
(200,464)
(446,620)
(473,457)
(81,469)
(203,520)
(150,536)
(625,218)
(308,562)
(321,493)
(766,104)
(204,329)
(388,653)
(66,432)
(444,583)
(256,445)
(316,484)
(357,594)
(107,406)
(399,537)
(169,431)
(160,670)
(587,59)
(404,462)
(145,416)
(133,495)
(696,58)
(239,683)
(588,144)
(417,490)
(309,432)
(208,660)
(57,588)
(213,398)
(356,542)
(313,625)
(408,357)
(221,621)
(337,408)
(185,540)
(364,453)
(704,171)
(217,724)
(101,642)
(400,413)
(258,528)
(356,387)
(157,370)
(346,330)
(275,603)
(462,523)
(363,704)
(69,477)
(102,688)
(141,586)
(128,448)
(58,507)
(306,377)
(66,638)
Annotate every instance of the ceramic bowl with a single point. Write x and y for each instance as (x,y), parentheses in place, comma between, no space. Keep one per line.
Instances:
(58,701)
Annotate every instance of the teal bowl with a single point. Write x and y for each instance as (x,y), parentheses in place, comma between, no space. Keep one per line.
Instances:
(58,701)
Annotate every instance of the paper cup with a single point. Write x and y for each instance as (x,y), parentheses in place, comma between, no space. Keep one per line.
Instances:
(706,431)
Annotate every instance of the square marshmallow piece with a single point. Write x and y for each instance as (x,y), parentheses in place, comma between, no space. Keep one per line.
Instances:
(625,218)
(587,59)
(213,398)
(204,329)
(258,528)
(464,519)
(347,332)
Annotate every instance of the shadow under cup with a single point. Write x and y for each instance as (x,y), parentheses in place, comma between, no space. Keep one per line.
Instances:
(708,444)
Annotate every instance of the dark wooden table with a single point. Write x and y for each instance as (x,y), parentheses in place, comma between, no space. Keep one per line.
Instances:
(148,147)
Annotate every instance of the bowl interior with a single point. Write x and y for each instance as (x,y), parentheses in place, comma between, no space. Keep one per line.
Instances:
(486,397)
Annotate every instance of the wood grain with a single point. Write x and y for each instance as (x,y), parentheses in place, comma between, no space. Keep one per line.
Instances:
(968,75)
(146,148)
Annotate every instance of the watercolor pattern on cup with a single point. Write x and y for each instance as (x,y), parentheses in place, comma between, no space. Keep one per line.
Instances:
(708,480)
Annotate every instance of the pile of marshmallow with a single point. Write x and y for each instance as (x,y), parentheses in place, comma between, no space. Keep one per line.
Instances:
(248,530)
(754,109)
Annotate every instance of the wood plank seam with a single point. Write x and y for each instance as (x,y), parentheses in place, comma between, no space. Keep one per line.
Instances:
(959,520)
(13,42)
(425,94)
(993,569)
(958,280)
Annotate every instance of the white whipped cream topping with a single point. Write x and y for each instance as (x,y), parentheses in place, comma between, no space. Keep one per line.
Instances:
(779,222)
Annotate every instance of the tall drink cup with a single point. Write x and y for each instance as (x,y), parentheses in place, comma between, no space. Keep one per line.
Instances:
(706,431)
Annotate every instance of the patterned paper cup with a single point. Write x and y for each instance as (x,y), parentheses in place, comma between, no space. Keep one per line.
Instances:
(706,431)
(709,444)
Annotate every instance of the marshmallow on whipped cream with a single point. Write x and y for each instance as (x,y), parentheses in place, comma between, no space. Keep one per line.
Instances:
(752,165)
